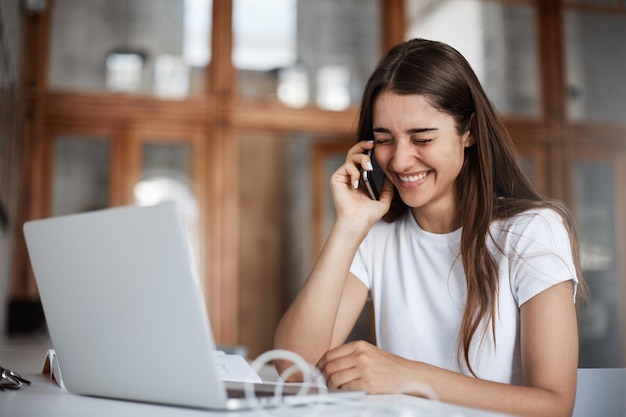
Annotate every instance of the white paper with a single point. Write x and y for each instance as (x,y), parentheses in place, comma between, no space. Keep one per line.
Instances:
(234,368)
(51,367)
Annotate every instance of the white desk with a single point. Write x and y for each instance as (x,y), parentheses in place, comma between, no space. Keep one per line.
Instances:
(44,398)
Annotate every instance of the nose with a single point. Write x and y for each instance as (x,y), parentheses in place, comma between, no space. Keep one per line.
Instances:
(404,156)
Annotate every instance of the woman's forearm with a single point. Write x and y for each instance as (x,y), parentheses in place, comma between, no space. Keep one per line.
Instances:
(468,391)
(307,326)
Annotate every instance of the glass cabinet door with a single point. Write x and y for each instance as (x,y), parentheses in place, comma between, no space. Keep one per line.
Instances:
(80,173)
(595,63)
(158,47)
(598,212)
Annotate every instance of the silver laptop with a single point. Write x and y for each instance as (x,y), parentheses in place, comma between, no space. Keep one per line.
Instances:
(125,310)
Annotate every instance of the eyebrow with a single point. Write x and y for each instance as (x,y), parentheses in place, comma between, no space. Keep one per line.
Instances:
(413,130)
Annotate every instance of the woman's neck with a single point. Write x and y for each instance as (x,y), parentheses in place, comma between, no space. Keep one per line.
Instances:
(435,220)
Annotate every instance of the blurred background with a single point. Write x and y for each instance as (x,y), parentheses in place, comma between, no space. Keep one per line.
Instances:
(240,109)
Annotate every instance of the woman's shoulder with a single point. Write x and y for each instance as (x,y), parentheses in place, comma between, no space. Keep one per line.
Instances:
(539,224)
(535,216)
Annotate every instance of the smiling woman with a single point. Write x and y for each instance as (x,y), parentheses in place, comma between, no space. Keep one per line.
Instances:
(469,255)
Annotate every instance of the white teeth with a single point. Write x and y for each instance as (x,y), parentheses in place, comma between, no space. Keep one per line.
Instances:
(413,177)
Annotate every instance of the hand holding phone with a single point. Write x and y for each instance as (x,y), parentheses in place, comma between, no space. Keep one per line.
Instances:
(373,179)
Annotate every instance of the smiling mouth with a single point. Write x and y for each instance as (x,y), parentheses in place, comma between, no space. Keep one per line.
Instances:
(413,178)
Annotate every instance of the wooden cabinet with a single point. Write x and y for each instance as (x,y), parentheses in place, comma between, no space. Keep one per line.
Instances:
(256,167)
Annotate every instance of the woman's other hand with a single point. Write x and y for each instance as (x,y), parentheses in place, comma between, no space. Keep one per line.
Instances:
(362,366)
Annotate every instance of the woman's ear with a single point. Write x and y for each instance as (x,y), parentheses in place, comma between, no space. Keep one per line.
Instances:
(468,137)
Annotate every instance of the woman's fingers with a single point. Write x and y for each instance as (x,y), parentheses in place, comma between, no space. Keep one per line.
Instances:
(357,160)
(350,197)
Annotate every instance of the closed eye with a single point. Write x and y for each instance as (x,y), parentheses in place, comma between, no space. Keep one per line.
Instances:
(383,141)
(421,141)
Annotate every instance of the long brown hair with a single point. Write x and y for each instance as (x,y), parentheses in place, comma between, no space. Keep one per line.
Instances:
(491,184)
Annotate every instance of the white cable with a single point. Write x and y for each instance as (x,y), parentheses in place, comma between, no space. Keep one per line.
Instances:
(312,378)
(299,365)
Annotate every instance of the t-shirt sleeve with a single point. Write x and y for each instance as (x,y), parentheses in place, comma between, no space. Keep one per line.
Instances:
(541,255)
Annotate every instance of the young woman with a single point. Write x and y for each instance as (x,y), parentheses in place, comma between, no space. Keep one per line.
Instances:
(472,274)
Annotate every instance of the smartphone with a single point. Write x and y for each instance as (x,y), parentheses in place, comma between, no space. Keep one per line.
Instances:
(373,179)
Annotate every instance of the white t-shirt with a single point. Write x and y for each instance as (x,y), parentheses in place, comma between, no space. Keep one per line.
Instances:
(417,284)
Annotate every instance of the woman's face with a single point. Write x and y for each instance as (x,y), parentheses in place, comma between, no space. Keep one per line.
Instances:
(421,152)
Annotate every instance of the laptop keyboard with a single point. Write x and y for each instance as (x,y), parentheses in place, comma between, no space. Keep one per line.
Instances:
(240,393)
